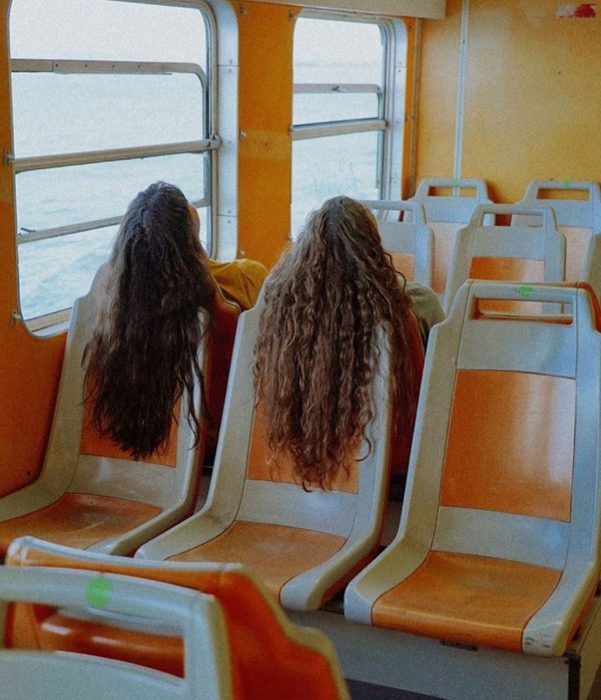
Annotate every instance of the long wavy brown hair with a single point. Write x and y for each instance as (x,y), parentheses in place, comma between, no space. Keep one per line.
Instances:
(316,354)
(154,309)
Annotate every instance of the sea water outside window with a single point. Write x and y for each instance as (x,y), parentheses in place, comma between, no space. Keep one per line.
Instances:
(108,96)
(339,112)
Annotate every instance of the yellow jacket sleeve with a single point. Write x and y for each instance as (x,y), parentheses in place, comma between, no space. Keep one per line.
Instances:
(240,280)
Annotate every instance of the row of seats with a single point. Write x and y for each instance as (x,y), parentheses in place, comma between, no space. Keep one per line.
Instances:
(499,538)
(523,537)
(92,495)
(444,239)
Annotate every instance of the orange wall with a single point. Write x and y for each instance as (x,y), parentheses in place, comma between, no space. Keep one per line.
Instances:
(29,367)
(532,95)
(265,148)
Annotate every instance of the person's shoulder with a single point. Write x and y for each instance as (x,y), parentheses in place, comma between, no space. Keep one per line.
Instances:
(425,302)
(250,266)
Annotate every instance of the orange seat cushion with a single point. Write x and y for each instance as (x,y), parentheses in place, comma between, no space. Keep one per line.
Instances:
(511,443)
(467,599)
(78,520)
(276,553)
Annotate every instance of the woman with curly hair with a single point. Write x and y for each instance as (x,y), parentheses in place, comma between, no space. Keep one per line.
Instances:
(154,308)
(316,354)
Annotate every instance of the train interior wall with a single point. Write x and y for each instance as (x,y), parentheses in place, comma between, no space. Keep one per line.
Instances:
(531,97)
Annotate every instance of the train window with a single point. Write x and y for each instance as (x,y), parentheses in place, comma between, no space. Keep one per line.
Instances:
(107,97)
(344,76)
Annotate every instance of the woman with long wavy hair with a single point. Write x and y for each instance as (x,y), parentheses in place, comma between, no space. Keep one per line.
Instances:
(316,354)
(154,308)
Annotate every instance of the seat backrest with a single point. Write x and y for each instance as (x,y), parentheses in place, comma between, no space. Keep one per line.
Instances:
(515,253)
(448,203)
(507,437)
(409,244)
(196,617)
(86,465)
(218,357)
(294,662)
(577,207)
(248,485)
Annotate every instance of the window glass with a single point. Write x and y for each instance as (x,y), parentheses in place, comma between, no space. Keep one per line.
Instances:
(63,109)
(97,105)
(339,76)
(66,196)
(325,167)
(56,271)
(105,30)
(333,51)
(334,107)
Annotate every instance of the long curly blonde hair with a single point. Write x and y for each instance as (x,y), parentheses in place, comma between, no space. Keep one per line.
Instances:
(155,308)
(316,354)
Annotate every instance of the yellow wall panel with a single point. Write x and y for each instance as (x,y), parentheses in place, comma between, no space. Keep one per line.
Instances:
(265,148)
(437,94)
(532,95)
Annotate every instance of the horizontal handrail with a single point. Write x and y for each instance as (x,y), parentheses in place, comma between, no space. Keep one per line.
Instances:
(62,160)
(347,126)
(43,234)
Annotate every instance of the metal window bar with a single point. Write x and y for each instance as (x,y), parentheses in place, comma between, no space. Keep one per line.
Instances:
(29,236)
(21,165)
(346,88)
(346,126)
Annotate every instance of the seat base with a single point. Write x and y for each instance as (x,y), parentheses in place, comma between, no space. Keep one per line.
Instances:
(467,599)
(78,520)
(403,661)
(276,553)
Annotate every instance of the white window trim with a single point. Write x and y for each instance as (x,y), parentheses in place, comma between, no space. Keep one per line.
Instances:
(431,9)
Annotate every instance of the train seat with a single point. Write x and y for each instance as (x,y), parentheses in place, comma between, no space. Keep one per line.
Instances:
(577,219)
(446,214)
(303,543)
(270,656)
(409,244)
(517,253)
(35,673)
(499,539)
(90,494)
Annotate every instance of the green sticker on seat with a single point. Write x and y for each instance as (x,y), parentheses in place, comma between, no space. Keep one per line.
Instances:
(99,592)
(525,290)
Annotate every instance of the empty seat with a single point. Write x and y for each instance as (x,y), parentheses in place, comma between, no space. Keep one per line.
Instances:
(446,214)
(71,676)
(499,537)
(512,252)
(577,218)
(91,494)
(304,544)
(409,244)
(270,657)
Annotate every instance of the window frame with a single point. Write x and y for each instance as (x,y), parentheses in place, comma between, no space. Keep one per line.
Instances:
(390,122)
(209,143)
